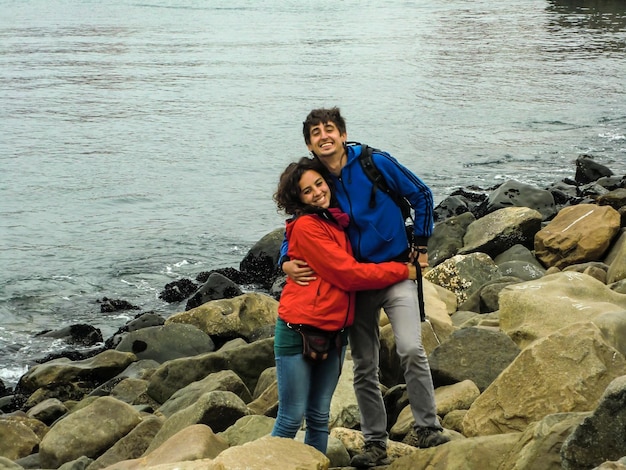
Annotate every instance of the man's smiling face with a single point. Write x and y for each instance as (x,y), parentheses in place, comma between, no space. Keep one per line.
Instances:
(326,140)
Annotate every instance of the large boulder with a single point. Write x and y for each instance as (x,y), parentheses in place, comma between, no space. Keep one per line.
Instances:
(576,235)
(475,354)
(484,453)
(248,362)
(464,274)
(225,380)
(617,260)
(261,262)
(191,444)
(218,410)
(565,372)
(247,316)
(216,287)
(167,342)
(17,440)
(500,230)
(540,444)
(534,309)
(447,238)
(515,194)
(89,431)
(98,369)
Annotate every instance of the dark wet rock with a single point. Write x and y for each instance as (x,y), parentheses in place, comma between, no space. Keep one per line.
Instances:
(515,194)
(4,391)
(81,334)
(216,287)
(611,182)
(450,207)
(231,273)
(602,435)
(588,170)
(115,305)
(486,354)
(447,238)
(616,199)
(177,291)
(143,320)
(565,193)
(260,263)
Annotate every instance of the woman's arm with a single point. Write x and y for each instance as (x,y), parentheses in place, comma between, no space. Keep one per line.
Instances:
(311,238)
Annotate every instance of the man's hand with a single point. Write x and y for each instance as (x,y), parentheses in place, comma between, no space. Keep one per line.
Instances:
(420,254)
(299,271)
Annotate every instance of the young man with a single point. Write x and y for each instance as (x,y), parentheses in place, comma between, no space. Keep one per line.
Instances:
(377,233)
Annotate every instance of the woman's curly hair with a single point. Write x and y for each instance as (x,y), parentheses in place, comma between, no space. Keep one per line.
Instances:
(287,195)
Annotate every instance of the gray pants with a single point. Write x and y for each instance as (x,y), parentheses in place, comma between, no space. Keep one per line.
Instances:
(400,304)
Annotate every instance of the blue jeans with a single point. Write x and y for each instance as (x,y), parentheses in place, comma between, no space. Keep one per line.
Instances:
(305,391)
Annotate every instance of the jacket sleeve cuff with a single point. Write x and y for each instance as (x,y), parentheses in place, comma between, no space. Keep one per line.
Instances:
(281,260)
(420,241)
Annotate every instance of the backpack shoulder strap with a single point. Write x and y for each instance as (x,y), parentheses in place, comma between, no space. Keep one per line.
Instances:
(378,180)
(371,171)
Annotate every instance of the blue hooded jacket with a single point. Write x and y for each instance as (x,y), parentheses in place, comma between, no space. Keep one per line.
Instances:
(378,234)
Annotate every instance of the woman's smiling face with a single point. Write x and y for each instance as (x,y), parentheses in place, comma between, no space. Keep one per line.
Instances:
(314,190)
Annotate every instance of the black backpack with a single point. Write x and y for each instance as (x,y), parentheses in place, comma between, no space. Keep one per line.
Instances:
(378,180)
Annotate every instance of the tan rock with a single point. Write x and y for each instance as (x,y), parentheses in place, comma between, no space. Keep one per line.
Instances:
(241,316)
(617,257)
(453,420)
(271,453)
(247,429)
(132,445)
(16,439)
(89,431)
(534,309)
(458,396)
(266,404)
(477,453)
(566,371)
(225,380)
(8,464)
(577,234)
(193,443)
(539,446)
(103,366)
(217,410)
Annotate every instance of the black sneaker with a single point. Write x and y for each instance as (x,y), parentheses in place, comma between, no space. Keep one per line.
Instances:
(375,454)
(425,437)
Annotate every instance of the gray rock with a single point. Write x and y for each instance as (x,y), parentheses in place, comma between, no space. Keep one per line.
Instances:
(447,238)
(166,342)
(602,435)
(216,287)
(515,194)
(475,354)
(500,230)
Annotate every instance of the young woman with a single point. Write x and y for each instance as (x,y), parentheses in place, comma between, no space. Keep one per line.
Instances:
(316,234)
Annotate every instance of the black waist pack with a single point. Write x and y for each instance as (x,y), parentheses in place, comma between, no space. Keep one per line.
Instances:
(317,343)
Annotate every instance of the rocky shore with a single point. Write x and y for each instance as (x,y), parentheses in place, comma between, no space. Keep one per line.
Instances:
(526,335)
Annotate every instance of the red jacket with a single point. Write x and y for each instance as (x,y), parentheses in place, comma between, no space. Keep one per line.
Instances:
(328,302)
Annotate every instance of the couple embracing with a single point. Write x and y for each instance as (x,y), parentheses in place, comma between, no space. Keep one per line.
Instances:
(347,255)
